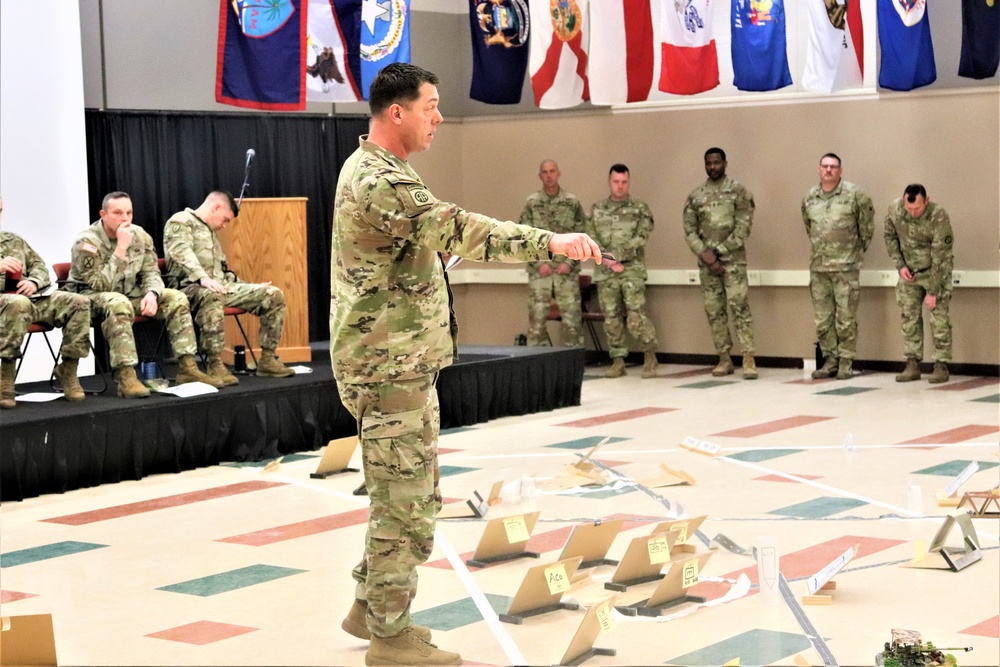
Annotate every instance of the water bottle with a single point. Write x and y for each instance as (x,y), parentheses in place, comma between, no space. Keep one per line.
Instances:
(148,371)
(240,359)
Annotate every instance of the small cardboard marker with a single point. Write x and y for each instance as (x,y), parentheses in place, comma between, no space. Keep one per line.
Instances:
(596,621)
(336,458)
(505,538)
(541,591)
(27,640)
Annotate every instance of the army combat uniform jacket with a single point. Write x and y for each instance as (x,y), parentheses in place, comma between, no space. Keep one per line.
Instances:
(12,245)
(389,311)
(194,251)
(923,245)
(561,213)
(96,268)
(840,224)
(719,216)
(621,228)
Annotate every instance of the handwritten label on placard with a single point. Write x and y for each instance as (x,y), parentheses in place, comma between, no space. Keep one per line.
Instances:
(659,549)
(556,579)
(682,532)
(517,529)
(604,617)
(700,446)
(690,575)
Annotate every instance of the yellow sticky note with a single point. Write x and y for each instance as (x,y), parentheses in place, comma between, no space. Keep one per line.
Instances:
(690,575)
(920,551)
(556,579)
(604,617)
(659,550)
(517,530)
(682,532)
(735,662)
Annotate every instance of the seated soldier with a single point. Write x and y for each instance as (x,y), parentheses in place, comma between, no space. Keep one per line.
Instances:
(114,263)
(197,266)
(27,297)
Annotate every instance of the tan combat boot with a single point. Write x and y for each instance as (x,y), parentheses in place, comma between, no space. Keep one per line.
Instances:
(617,368)
(724,367)
(70,383)
(187,371)
(271,367)
(354,623)
(7,368)
(828,370)
(939,374)
(649,366)
(128,384)
(911,372)
(218,370)
(845,371)
(407,648)
(749,366)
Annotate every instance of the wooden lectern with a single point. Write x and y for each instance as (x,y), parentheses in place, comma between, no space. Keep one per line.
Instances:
(268,242)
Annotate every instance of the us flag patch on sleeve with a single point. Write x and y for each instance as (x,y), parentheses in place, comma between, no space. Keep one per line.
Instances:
(89,247)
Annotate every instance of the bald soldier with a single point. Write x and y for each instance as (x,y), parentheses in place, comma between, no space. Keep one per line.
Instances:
(840,222)
(718,215)
(114,264)
(919,240)
(27,297)
(556,210)
(197,266)
(391,332)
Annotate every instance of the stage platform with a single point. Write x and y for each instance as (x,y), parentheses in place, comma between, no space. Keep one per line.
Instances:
(60,446)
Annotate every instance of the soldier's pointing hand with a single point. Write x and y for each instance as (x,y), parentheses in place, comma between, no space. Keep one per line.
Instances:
(575,246)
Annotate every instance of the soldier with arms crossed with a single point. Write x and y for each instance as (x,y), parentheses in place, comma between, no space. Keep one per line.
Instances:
(391,332)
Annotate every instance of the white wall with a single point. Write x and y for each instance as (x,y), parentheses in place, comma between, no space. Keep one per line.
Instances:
(43,153)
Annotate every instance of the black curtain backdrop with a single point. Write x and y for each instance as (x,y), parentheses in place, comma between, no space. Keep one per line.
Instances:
(168,161)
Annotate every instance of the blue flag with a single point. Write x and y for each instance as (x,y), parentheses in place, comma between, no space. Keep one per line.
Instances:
(499,50)
(760,59)
(980,39)
(385,37)
(904,35)
(262,48)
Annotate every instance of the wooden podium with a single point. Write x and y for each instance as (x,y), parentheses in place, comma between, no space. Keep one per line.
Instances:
(268,242)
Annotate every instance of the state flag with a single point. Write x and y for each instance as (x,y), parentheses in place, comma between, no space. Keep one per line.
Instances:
(980,39)
(760,56)
(333,53)
(836,54)
(499,49)
(558,57)
(904,36)
(261,54)
(621,51)
(385,37)
(689,62)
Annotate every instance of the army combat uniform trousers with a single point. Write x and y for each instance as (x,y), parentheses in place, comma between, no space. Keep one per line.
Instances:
(835,297)
(910,299)
(64,310)
(565,289)
(728,290)
(117,311)
(399,423)
(623,300)
(265,301)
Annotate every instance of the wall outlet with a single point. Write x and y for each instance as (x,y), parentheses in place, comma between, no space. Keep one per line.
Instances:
(694,278)
(957,277)
(753,278)
(887,277)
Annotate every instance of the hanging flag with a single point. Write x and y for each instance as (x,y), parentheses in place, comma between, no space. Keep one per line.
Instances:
(333,53)
(261,54)
(558,58)
(689,61)
(980,39)
(621,51)
(499,49)
(760,58)
(904,35)
(385,37)
(836,54)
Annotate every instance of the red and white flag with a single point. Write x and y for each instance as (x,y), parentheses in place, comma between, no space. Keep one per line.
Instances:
(558,58)
(621,51)
(689,61)
(836,54)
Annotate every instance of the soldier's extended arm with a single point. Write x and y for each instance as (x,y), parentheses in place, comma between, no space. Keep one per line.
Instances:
(892,240)
(865,212)
(691,229)
(34,267)
(942,253)
(98,275)
(178,246)
(742,223)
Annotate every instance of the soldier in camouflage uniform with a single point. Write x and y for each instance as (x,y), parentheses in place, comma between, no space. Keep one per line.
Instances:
(26,299)
(919,240)
(621,225)
(717,218)
(840,221)
(114,263)
(391,332)
(197,266)
(556,210)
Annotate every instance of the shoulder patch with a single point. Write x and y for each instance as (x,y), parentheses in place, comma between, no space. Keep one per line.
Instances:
(89,247)
(415,197)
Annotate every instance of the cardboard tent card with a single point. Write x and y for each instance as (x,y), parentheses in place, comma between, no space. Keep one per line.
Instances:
(670,477)
(672,589)
(27,640)
(582,472)
(942,557)
(505,538)
(542,589)
(336,458)
(597,620)
(591,541)
(643,561)
(473,509)
(685,530)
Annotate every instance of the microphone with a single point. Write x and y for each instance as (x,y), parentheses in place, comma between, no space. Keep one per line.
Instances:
(246,179)
(250,153)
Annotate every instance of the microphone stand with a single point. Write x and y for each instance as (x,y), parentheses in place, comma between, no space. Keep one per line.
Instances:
(246,184)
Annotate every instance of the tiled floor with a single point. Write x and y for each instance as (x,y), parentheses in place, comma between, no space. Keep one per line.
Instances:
(234,565)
